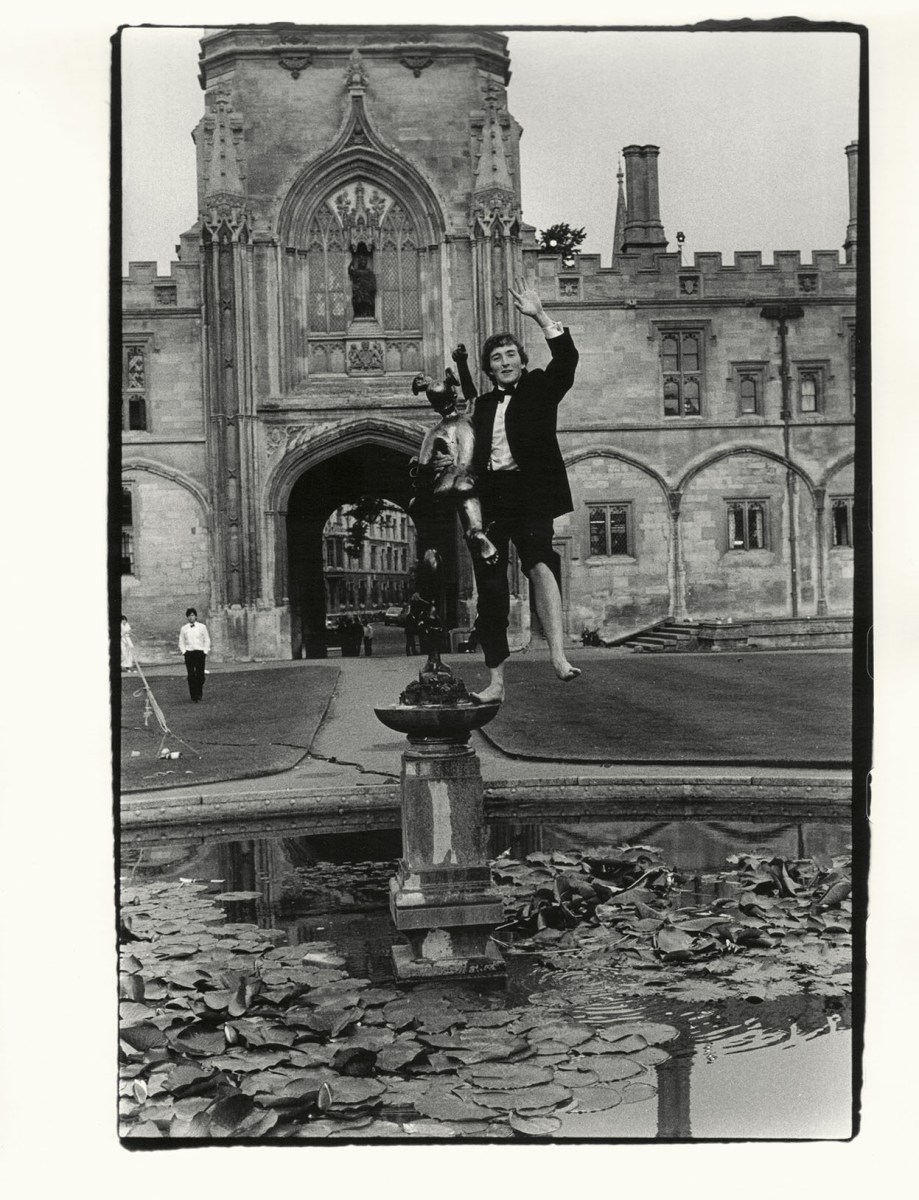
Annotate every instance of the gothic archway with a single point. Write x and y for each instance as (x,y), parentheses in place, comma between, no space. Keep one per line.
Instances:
(369,467)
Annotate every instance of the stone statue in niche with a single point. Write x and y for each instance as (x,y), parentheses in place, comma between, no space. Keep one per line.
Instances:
(443,473)
(363,282)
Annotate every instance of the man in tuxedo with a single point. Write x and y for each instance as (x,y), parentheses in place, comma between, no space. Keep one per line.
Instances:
(523,485)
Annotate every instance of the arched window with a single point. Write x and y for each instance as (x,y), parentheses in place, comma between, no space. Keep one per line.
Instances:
(359,220)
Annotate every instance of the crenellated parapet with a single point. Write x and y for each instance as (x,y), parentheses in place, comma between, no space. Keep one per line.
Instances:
(144,289)
(667,278)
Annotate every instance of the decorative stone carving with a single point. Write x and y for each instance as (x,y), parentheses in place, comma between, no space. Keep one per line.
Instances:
(570,288)
(295,436)
(494,200)
(356,75)
(295,63)
(495,209)
(807,283)
(360,218)
(293,37)
(365,356)
(689,285)
(165,296)
(416,63)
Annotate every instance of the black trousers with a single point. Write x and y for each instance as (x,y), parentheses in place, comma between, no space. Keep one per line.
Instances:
(194,665)
(510,515)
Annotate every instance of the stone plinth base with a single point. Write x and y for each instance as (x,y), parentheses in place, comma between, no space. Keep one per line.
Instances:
(441,898)
(409,969)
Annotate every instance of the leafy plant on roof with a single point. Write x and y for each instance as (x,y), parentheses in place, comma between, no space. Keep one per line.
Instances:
(562,240)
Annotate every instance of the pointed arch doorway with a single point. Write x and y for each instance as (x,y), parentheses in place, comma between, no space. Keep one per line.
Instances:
(367,469)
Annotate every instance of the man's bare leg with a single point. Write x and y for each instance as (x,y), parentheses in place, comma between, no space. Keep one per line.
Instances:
(549,610)
(495,689)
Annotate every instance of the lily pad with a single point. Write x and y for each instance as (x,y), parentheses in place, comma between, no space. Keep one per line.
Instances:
(427,1128)
(298,1092)
(535,1126)
(229,1114)
(610,1068)
(596,1099)
(575,1077)
(634,1092)
(451,1108)
(541,1096)
(568,1033)
(144,1036)
(347,1091)
(651,1056)
(143,1129)
(491,1018)
(551,1050)
(507,1076)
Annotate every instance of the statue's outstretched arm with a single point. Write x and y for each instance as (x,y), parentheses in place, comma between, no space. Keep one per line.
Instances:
(461,358)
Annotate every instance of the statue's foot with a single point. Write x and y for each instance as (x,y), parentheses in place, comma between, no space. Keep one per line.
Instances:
(565,671)
(493,693)
(483,547)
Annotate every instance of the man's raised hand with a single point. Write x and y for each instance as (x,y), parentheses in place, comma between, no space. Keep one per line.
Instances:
(526,300)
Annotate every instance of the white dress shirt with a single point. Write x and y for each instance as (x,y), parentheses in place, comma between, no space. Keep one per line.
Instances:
(501,458)
(194,637)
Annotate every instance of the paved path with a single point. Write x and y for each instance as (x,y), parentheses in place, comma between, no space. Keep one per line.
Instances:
(352,749)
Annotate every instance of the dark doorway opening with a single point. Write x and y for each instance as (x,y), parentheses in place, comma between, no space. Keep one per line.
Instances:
(370,469)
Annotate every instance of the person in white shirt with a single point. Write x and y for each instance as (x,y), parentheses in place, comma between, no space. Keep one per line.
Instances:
(127,646)
(195,644)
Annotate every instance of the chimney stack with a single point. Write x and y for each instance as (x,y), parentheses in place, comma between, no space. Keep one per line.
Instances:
(851,242)
(643,229)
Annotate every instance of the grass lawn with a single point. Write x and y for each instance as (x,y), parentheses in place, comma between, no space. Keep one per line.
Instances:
(250,723)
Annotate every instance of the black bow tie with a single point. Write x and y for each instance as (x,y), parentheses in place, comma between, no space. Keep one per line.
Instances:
(506,393)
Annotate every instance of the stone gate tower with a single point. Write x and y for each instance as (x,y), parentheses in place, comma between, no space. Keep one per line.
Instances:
(359,214)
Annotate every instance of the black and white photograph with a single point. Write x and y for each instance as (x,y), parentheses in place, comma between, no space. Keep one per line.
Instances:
(527,369)
(551,367)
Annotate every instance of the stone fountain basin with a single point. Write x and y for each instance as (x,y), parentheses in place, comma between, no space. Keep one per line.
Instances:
(437,720)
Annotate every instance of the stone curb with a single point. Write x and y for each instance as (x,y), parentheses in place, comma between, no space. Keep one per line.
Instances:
(377,806)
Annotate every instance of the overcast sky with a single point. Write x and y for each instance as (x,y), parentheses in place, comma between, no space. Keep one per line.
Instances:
(752,129)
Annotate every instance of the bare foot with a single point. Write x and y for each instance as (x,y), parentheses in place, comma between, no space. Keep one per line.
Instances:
(565,671)
(494,692)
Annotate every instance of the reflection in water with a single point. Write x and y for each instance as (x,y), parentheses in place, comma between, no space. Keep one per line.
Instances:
(734,1071)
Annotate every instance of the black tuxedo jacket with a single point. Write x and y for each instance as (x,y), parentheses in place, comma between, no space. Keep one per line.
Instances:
(530,423)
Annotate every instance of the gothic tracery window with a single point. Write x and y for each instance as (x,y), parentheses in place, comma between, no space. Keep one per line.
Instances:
(357,232)
(327,267)
(399,272)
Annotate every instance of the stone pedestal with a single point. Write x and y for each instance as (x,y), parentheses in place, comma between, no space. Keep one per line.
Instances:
(441,899)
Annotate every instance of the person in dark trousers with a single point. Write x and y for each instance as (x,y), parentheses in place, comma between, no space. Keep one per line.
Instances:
(523,484)
(368,638)
(411,628)
(195,644)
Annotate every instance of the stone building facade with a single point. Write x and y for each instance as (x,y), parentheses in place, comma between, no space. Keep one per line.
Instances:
(378,577)
(360,214)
